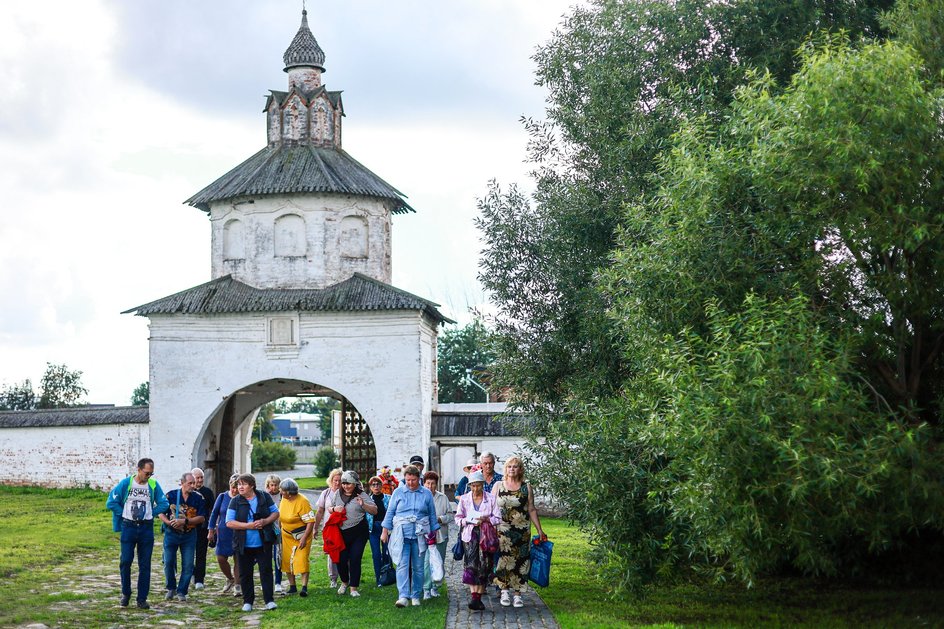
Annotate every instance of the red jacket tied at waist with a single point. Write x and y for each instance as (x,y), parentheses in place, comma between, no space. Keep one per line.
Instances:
(333,542)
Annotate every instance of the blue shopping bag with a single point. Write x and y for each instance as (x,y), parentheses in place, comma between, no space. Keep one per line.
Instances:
(541,551)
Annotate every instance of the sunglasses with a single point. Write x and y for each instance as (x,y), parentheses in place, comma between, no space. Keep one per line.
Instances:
(376,483)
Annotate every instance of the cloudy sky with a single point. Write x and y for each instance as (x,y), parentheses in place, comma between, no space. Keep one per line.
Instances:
(113,112)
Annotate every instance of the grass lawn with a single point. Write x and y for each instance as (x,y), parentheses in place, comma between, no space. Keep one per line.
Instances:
(59,566)
(312,482)
(579,602)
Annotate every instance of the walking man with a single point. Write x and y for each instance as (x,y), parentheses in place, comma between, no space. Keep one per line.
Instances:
(200,559)
(185,514)
(134,503)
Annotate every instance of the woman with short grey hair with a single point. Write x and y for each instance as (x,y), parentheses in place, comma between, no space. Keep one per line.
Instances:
(297,521)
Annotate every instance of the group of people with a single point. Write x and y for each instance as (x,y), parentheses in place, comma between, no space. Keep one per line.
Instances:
(271,531)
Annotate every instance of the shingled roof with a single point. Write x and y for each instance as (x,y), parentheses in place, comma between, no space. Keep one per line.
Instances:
(477,424)
(279,97)
(228,295)
(293,168)
(75,416)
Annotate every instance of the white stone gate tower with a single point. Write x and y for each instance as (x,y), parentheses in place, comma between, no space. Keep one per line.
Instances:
(300,300)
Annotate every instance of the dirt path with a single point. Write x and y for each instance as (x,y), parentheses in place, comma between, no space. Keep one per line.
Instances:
(88,589)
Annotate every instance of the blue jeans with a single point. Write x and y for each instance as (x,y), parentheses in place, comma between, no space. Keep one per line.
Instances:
(138,537)
(410,568)
(378,551)
(187,543)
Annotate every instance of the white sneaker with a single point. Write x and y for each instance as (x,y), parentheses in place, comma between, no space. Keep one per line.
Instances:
(434,592)
(518,602)
(355,593)
(342,588)
(271,605)
(402,602)
(505,598)
(416,602)
(228,587)
(247,607)
(198,586)
(334,582)
(278,588)
(426,595)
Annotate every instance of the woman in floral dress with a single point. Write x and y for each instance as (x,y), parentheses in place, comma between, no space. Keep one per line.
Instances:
(516,500)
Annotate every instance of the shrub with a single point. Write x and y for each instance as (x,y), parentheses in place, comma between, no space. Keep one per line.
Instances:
(326,459)
(269,455)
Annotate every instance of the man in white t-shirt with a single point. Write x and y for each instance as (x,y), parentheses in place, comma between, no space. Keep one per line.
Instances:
(134,503)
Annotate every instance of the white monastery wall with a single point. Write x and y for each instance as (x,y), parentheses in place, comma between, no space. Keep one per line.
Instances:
(300,241)
(378,360)
(72,456)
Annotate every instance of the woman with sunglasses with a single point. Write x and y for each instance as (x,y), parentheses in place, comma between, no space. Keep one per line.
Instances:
(378,550)
(354,530)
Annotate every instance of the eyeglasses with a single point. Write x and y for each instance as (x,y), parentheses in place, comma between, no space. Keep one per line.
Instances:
(376,483)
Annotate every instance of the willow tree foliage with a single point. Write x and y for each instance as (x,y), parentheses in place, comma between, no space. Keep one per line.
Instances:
(725,294)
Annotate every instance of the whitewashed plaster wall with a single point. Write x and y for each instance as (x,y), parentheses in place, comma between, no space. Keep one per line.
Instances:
(300,241)
(379,360)
(72,456)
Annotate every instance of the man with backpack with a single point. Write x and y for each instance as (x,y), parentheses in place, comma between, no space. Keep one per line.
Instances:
(134,503)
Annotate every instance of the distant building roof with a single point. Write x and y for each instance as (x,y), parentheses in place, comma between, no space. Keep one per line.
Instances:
(298,417)
(75,416)
(288,168)
(228,295)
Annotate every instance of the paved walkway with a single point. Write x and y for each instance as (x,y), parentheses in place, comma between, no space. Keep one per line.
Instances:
(534,613)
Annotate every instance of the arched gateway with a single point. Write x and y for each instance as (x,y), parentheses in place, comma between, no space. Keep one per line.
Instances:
(300,301)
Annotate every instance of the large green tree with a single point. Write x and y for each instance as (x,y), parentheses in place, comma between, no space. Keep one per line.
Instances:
(622,77)
(727,286)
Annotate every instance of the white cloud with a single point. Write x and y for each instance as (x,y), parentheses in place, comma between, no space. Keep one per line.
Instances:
(114,113)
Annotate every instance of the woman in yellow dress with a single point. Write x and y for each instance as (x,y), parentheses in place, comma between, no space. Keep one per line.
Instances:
(297,521)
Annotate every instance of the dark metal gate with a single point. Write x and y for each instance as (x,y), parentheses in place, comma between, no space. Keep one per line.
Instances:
(357,443)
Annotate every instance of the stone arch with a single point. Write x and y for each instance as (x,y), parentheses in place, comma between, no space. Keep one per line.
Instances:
(289,236)
(354,237)
(223,444)
(234,240)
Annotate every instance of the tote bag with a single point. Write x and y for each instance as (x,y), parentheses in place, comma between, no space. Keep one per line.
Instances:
(541,561)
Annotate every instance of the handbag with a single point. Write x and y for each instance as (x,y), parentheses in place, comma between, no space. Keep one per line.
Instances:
(488,541)
(541,552)
(458,551)
(388,574)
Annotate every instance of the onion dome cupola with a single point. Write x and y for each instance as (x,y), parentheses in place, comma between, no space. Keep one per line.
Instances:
(304,59)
